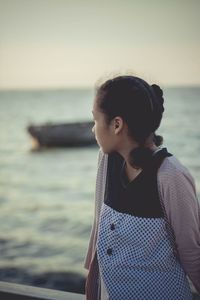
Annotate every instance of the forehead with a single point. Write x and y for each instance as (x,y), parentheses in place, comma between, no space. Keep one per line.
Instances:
(97,112)
(95,108)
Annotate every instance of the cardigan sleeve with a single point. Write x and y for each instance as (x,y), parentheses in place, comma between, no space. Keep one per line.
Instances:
(99,196)
(183,212)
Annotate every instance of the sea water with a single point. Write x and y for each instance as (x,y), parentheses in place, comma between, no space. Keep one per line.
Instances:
(47,197)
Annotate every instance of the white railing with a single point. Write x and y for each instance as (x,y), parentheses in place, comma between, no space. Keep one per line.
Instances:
(12,291)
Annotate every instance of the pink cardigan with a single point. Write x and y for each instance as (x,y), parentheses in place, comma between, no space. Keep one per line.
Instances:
(177,190)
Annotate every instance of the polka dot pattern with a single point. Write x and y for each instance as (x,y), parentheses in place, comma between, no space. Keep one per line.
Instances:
(136,259)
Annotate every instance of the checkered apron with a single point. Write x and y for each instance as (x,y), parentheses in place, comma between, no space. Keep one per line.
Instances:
(136,259)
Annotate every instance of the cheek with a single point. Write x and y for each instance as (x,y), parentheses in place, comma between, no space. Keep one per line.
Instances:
(104,140)
(97,130)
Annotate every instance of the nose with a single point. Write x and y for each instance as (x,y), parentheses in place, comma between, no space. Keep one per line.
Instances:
(93,129)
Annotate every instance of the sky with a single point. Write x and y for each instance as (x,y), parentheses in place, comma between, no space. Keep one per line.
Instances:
(74,43)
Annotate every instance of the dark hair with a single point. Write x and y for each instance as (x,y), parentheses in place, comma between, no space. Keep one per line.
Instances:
(140,106)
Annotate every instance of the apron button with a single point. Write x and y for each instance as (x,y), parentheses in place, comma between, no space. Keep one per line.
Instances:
(109,251)
(112,226)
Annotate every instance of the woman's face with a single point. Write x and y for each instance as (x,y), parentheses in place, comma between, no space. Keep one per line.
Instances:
(104,132)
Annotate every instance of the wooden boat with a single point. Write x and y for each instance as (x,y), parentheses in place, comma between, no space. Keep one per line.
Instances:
(62,135)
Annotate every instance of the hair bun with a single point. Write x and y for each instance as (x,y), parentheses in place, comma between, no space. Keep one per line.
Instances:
(158,139)
(140,157)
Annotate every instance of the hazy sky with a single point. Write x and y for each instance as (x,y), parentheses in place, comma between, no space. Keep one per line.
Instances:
(58,43)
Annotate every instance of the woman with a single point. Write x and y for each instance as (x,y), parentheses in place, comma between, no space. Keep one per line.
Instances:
(146,232)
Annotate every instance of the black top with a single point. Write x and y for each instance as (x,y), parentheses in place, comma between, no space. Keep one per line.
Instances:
(140,196)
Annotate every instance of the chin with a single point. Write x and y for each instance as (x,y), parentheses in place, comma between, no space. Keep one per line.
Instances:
(106,150)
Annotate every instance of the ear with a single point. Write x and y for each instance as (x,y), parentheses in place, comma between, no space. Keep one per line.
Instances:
(118,124)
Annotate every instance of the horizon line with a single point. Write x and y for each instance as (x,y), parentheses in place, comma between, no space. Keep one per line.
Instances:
(83,87)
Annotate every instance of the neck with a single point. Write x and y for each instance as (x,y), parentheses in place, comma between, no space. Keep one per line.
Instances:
(130,145)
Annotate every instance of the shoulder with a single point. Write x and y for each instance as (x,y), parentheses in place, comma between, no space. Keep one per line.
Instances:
(173,171)
(102,159)
(177,187)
